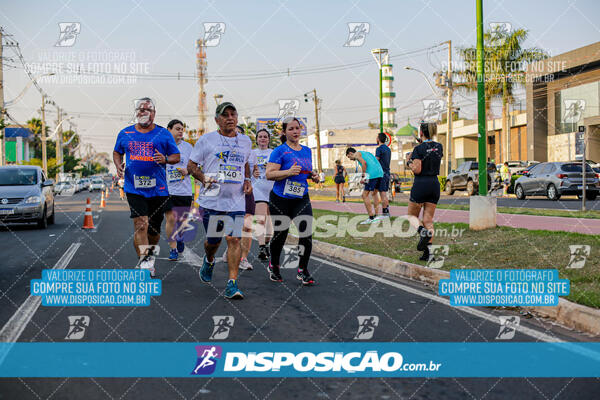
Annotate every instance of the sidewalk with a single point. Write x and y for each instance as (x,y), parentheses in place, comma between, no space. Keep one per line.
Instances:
(563,224)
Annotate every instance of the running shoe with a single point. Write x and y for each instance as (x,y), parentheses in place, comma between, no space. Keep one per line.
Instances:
(268,247)
(344,199)
(337,200)
(305,277)
(224,257)
(245,264)
(180,246)
(425,256)
(274,273)
(262,253)
(232,291)
(368,221)
(148,262)
(206,271)
(173,255)
(382,216)
(423,238)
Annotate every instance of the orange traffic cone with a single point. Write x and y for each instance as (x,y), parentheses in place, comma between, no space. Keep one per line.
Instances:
(102,201)
(88,220)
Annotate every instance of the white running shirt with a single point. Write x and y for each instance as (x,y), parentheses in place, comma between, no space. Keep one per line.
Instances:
(179,184)
(223,158)
(261,187)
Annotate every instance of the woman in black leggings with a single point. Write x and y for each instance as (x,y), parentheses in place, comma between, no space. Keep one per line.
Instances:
(424,162)
(290,166)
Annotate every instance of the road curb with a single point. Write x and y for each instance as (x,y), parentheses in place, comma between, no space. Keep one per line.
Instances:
(567,313)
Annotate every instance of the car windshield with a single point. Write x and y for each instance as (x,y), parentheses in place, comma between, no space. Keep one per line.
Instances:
(97,181)
(18,176)
(575,168)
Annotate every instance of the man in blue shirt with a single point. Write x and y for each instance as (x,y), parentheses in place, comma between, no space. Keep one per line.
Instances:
(371,174)
(147,148)
(384,155)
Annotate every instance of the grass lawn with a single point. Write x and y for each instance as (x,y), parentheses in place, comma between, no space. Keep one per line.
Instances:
(502,247)
(593,214)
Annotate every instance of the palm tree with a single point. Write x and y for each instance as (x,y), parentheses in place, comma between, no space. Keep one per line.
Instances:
(505,65)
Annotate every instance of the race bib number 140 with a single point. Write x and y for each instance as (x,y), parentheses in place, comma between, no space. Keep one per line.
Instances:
(230,174)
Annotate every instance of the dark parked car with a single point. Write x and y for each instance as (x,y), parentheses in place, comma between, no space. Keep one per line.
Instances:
(26,195)
(466,177)
(554,179)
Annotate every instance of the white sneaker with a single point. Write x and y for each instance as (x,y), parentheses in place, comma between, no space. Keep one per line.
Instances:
(368,221)
(245,264)
(148,263)
(382,216)
(224,257)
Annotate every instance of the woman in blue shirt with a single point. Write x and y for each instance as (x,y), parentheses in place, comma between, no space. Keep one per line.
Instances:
(290,166)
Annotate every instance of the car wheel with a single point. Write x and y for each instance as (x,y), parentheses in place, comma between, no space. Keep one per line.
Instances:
(552,193)
(448,189)
(51,219)
(591,196)
(519,192)
(43,222)
(470,188)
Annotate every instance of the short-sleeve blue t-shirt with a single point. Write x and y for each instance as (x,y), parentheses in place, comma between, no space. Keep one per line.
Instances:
(285,156)
(144,176)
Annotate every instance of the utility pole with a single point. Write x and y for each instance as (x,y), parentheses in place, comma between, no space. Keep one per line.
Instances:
(59,140)
(450,88)
(3,144)
(481,117)
(43,137)
(318,133)
(202,80)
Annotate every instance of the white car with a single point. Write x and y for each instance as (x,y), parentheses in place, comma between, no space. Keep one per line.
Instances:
(96,184)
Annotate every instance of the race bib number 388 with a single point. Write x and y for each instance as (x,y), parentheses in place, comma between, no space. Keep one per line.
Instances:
(144,182)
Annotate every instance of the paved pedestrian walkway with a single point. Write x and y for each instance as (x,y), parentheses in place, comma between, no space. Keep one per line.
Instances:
(564,224)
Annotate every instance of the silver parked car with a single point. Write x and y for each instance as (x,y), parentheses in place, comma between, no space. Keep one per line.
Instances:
(554,179)
(26,195)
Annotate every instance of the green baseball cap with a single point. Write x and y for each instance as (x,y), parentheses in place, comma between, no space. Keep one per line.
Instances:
(221,108)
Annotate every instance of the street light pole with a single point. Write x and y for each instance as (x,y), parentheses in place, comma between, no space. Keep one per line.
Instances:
(318,133)
(379,55)
(43,136)
(481,117)
(448,149)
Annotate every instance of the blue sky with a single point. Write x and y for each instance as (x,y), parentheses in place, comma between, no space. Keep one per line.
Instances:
(263,36)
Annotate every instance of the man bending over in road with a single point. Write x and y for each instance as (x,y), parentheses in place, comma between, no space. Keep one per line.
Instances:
(147,148)
(371,174)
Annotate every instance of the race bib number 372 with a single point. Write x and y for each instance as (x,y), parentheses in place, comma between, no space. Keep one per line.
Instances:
(144,182)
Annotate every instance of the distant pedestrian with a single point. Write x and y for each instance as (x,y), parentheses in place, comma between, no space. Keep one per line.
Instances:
(340,180)
(321,179)
(384,155)
(371,177)
(505,176)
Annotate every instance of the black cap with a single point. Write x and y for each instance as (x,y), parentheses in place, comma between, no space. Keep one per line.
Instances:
(221,108)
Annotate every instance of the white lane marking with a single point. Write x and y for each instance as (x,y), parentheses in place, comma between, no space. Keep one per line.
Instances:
(478,313)
(16,324)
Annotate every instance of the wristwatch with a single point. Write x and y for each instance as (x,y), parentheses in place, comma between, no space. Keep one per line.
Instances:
(247,179)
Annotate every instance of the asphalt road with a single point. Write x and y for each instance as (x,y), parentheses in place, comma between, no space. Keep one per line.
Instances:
(271,312)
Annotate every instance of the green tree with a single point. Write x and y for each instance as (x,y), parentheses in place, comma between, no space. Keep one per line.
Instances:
(505,65)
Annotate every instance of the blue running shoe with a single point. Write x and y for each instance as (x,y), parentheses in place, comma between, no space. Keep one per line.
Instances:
(173,255)
(206,271)
(232,291)
(180,246)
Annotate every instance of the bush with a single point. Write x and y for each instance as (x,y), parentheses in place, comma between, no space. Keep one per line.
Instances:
(513,178)
(442,180)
